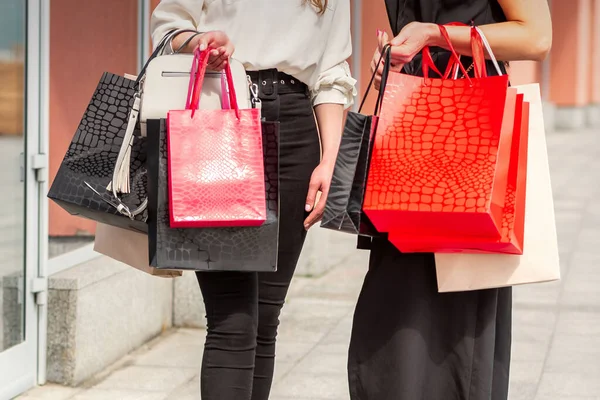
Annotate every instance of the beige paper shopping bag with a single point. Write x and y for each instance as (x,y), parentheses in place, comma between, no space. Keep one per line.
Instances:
(539,262)
(128,247)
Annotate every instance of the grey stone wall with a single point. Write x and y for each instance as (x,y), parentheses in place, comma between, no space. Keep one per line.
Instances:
(100,311)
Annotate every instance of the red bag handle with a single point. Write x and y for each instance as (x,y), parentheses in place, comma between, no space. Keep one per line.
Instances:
(478,51)
(196,61)
(197,73)
(428,60)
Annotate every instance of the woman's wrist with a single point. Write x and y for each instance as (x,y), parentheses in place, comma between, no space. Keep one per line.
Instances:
(180,39)
(434,36)
(329,156)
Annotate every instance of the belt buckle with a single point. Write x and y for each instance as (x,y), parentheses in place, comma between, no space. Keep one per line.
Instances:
(267,84)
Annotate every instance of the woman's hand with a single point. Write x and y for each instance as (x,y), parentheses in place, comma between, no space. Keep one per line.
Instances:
(330,120)
(220,45)
(404,47)
(320,181)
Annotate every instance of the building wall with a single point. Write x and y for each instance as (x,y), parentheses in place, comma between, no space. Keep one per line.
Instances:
(87,38)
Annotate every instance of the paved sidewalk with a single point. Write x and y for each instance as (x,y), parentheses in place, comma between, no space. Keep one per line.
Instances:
(556,336)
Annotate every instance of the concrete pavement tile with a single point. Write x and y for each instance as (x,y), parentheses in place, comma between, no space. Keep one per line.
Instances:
(524,379)
(562,385)
(574,354)
(97,394)
(282,369)
(147,379)
(589,238)
(188,391)
(569,208)
(309,321)
(313,386)
(532,333)
(291,351)
(344,327)
(522,391)
(581,295)
(180,349)
(50,392)
(335,348)
(530,350)
(289,398)
(578,323)
(536,296)
(319,362)
(563,397)
(588,259)
(337,338)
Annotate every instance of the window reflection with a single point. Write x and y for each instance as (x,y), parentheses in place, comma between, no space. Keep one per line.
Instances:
(12,216)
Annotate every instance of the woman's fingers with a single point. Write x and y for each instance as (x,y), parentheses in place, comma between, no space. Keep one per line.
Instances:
(218,59)
(382,40)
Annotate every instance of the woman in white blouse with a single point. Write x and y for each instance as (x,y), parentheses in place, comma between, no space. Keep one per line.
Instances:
(295,51)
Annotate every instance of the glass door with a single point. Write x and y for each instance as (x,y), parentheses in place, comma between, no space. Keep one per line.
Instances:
(21,178)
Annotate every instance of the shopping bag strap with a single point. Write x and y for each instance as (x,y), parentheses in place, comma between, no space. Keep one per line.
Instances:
(479,46)
(160,48)
(197,73)
(428,62)
(385,53)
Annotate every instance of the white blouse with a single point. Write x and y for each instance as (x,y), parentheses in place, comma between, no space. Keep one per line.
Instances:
(285,34)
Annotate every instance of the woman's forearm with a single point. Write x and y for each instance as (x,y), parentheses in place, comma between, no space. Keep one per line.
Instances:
(330,119)
(180,39)
(527,34)
(510,41)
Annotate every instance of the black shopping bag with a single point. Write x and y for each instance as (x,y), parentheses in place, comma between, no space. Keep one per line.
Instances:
(343,209)
(210,249)
(82,182)
(105,149)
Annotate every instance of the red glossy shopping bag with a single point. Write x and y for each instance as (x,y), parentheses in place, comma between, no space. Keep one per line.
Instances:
(216,169)
(440,160)
(513,213)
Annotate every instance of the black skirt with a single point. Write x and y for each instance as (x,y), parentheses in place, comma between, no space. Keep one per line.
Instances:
(410,342)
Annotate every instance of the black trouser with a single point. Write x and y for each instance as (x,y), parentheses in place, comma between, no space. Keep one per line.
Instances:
(242,308)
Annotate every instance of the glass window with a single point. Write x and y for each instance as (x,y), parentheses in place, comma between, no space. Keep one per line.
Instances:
(12,146)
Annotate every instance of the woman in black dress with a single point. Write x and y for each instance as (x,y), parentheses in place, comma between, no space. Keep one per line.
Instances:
(410,342)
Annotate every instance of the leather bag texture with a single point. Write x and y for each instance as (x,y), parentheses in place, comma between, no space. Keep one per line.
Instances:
(211,249)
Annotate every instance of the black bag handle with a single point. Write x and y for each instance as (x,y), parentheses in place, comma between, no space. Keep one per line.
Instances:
(160,48)
(384,76)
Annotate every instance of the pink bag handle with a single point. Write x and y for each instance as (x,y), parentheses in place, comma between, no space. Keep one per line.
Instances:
(199,65)
(428,60)
(193,74)
(225,103)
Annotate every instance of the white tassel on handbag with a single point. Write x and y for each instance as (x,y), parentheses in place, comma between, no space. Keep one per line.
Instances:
(120,181)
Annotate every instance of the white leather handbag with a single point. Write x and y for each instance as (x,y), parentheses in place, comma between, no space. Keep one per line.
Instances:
(163,86)
(166,81)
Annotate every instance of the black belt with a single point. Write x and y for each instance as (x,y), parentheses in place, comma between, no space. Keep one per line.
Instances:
(272,83)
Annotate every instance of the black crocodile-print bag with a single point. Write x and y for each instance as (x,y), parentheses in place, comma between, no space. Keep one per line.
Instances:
(87,168)
(210,249)
(343,209)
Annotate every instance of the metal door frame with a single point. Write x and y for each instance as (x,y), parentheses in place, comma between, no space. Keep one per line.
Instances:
(20,365)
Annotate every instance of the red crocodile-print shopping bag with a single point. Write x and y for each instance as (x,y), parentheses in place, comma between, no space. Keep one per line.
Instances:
(216,169)
(513,213)
(441,155)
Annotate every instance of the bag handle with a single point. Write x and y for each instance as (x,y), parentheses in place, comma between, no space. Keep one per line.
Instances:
(384,75)
(479,45)
(428,62)
(159,50)
(197,74)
